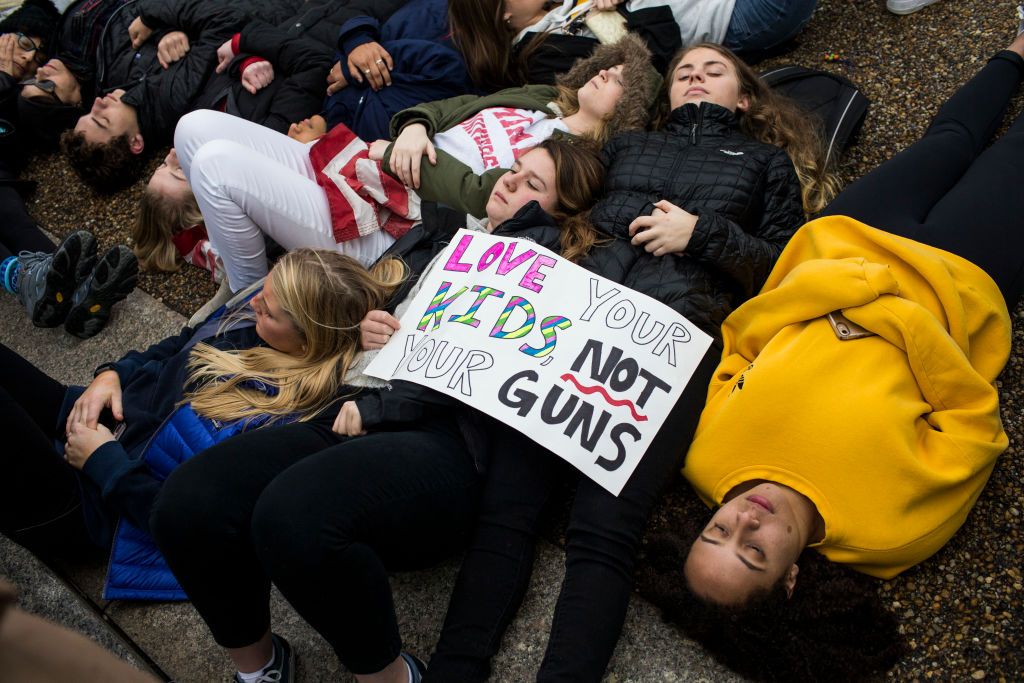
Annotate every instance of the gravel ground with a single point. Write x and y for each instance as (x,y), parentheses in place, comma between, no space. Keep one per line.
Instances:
(960,611)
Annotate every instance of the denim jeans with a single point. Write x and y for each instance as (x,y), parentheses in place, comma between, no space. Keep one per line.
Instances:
(762,24)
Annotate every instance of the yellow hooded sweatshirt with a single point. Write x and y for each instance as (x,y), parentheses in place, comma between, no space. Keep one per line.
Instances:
(891,436)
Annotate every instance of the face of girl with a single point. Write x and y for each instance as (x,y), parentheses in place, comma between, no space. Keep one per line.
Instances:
(65,85)
(602,93)
(704,75)
(273,325)
(168,180)
(532,178)
(26,52)
(751,543)
(519,14)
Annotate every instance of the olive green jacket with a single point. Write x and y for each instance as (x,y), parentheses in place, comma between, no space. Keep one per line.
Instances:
(450,181)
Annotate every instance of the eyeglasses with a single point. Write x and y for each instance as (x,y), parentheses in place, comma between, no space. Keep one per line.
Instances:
(26,43)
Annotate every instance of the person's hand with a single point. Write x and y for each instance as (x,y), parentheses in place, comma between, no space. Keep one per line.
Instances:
(335,79)
(224,56)
(371,61)
(83,442)
(257,76)
(667,230)
(171,48)
(407,154)
(349,422)
(103,392)
(376,329)
(139,33)
(377,149)
(606,4)
(309,129)
(8,62)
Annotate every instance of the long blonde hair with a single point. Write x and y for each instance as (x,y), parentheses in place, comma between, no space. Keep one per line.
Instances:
(777,120)
(160,218)
(325,295)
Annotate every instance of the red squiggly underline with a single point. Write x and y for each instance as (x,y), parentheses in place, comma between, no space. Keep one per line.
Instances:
(597,389)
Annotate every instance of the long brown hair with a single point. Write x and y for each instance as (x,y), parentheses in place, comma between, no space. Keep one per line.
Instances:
(158,219)
(485,41)
(579,178)
(777,120)
(325,295)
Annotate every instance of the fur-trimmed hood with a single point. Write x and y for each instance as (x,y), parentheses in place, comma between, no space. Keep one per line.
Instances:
(642,82)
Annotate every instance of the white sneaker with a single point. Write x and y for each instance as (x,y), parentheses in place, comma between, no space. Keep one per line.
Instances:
(907,6)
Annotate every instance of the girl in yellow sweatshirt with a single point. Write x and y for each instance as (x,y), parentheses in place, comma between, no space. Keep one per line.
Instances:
(854,409)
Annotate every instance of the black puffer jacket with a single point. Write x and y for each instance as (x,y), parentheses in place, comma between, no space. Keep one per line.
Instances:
(161,96)
(746,196)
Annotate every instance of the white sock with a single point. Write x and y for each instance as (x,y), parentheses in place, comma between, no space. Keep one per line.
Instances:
(254,676)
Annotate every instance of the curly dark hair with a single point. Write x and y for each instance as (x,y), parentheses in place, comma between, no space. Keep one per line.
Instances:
(106,168)
(833,628)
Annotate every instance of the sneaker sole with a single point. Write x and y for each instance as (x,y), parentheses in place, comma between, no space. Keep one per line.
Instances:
(62,279)
(87,318)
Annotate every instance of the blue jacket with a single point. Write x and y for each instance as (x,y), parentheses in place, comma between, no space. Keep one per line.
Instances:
(427,67)
(137,570)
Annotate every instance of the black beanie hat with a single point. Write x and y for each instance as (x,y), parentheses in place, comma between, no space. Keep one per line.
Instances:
(34,18)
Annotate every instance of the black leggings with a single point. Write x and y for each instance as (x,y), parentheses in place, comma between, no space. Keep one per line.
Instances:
(18,232)
(945,191)
(40,506)
(322,516)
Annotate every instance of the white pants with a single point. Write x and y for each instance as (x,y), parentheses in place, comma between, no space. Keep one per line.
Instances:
(249,181)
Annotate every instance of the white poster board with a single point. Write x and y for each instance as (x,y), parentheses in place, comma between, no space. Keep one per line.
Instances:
(587,368)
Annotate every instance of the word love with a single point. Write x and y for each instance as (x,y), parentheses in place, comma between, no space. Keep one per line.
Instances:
(503,256)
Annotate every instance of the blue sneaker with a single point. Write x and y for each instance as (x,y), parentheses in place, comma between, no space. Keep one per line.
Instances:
(46,283)
(282,668)
(112,279)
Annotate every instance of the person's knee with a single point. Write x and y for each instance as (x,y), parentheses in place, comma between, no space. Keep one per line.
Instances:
(182,510)
(212,166)
(194,130)
(288,535)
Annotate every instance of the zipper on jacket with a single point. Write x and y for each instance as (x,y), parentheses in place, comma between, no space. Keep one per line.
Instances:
(101,66)
(695,126)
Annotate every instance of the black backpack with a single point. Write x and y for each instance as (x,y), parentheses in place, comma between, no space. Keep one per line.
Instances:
(839,105)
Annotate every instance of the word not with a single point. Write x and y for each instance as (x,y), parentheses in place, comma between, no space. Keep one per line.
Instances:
(621,374)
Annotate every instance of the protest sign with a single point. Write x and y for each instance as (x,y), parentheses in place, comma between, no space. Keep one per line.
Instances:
(585,367)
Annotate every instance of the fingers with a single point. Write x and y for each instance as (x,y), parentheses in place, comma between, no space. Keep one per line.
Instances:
(115,406)
(224,56)
(431,154)
(377,328)
(641,223)
(372,63)
(335,79)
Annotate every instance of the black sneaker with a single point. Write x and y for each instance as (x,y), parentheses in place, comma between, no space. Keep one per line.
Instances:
(282,668)
(47,282)
(112,279)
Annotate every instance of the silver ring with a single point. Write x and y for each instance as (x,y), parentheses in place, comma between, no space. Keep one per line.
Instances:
(379,61)
(366,71)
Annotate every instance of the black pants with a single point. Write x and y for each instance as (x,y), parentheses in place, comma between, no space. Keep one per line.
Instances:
(40,506)
(948,191)
(18,231)
(602,541)
(325,518)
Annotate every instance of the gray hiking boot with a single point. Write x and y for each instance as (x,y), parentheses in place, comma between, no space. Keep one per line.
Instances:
(47,282)
(112,279)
